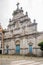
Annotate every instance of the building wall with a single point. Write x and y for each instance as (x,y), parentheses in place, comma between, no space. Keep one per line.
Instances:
(11,44)
(21,31)
(24,43)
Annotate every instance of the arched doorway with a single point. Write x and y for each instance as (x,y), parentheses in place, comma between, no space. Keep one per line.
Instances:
(7,49)
(17,47)
(30,47)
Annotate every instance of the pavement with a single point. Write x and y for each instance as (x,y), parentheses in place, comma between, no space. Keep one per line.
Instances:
(26,62)
(20,60)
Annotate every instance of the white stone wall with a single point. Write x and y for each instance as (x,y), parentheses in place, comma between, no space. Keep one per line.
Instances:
(11,45)
(26,30)
(24,46)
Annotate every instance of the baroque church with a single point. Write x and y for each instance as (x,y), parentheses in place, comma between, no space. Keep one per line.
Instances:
(21,35)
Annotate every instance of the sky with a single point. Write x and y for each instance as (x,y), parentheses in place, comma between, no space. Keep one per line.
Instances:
(33,7)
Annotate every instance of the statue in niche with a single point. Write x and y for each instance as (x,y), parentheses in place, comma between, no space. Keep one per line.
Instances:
(17,24)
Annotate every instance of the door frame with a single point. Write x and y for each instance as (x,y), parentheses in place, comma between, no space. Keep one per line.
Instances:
(30,49)
(19,49)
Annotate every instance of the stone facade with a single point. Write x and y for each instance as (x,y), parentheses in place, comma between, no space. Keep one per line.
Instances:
(21,36)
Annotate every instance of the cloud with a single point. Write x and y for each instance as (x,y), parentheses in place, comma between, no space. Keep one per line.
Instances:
(34,8)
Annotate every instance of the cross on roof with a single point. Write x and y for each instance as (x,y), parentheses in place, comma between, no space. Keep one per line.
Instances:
(17,5)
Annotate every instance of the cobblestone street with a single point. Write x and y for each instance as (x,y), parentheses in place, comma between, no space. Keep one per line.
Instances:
(20,60)
(26,62)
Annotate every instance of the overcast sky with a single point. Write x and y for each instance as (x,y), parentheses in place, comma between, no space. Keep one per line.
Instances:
(33,7)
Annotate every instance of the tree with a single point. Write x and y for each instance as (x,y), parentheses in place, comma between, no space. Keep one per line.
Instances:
(41,47)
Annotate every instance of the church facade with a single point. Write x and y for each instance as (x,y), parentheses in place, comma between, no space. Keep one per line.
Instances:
(21,36)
